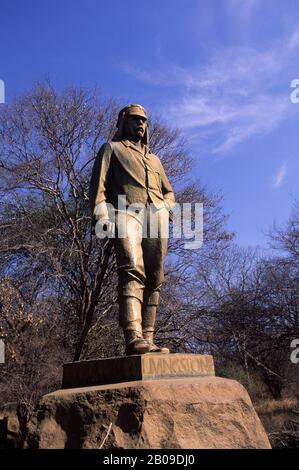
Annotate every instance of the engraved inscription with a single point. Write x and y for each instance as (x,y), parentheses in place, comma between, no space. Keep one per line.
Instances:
(141,367)
(177,366)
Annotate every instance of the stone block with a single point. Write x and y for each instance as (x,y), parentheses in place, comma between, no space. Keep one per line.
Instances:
(136,367)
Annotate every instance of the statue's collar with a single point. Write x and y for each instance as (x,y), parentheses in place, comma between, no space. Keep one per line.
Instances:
(128,143)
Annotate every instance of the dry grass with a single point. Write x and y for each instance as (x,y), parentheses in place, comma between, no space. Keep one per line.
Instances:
(281,421)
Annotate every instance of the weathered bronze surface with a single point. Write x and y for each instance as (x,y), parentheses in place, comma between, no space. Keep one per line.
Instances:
(126,167)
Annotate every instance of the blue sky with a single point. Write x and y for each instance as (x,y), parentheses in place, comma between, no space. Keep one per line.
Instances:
(218,69)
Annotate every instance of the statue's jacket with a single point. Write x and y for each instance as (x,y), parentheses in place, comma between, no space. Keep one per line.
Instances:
(121,168)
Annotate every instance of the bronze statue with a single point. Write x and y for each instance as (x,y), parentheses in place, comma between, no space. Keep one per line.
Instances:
(126,168)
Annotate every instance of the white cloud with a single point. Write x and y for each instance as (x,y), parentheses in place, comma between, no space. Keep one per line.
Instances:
(233,96)
(244,8)
(152,77)
(294,40)
(280,175)
(237,121)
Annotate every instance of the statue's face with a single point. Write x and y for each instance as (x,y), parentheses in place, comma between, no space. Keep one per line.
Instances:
(135,127)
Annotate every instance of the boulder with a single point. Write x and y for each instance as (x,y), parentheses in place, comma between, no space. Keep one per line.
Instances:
(181,413)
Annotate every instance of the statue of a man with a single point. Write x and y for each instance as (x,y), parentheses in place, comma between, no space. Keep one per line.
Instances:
(126,167)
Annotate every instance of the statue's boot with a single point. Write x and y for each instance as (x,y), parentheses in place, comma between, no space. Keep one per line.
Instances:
(148,327)
(130,310)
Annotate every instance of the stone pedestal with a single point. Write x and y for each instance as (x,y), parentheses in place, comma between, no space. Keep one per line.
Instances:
(181,413)
(137,367)
(151,401)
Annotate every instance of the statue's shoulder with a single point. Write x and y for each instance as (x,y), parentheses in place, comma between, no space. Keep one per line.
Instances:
(153,156)
(115,145)
(108,148)
(155,159)
(105,147)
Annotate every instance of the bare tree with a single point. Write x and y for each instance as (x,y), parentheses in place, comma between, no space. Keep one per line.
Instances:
(48,143)
(33,351)
(286,238)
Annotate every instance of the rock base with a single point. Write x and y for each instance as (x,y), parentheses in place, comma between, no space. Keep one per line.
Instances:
(182,413)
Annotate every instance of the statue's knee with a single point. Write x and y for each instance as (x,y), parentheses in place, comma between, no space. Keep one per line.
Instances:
(151,297)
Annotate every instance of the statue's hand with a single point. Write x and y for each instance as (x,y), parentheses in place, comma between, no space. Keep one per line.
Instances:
(105,228)
(168,207)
